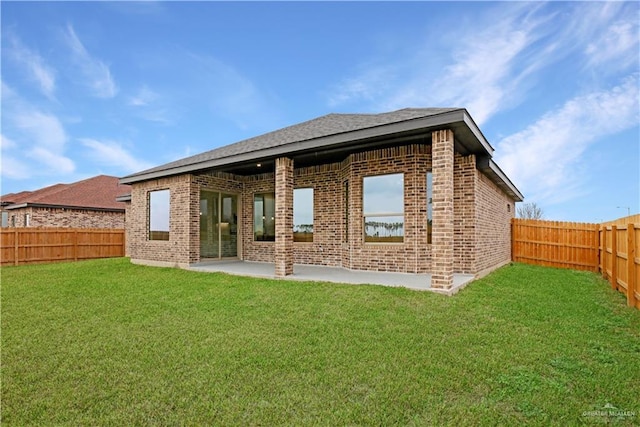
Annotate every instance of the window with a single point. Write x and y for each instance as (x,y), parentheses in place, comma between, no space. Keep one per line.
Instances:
(159,215)
(5,219)
(264,212)
(383,208)
(27,220)
(429,206)
(303,215)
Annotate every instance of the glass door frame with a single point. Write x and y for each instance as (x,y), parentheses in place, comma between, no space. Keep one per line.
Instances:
(218,225)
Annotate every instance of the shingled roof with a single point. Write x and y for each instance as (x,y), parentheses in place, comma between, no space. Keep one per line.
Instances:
(97,193)
(333,133)
(321,127)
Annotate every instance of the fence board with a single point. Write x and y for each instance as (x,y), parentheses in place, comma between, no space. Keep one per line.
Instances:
(37,245)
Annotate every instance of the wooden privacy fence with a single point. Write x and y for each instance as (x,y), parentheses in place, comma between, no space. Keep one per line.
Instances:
(620,259)
(608,249)
(555,244)
(38,245)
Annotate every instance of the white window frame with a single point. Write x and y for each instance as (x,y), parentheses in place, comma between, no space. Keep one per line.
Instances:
(150,215)
(298,190)
(366,215)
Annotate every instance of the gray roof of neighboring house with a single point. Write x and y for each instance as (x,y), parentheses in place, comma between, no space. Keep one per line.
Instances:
(332,131)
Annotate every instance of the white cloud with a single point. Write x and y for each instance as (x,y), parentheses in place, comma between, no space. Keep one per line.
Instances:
(112,153)
(605,34)
(486,65)
(55,161)
(371,84)
(95,72)
(39,136)
(14,168)
(42,129)
(482,76)
(545,159)
(6,143)
(36,68)
(143,97)
(149,105)
(618,44)
(496,58)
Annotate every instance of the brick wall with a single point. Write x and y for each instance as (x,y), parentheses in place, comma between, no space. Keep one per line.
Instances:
(412,255)
(284,217)
(327,211)
(177,251)
(480,223)
(494,210)
(464,214)
(443,186)
(252,250)
(71,218)
(327,228)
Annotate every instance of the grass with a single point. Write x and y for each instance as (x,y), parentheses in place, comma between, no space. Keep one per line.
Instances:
(110,343)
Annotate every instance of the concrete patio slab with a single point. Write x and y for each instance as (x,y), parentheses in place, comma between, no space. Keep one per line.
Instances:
(316,273)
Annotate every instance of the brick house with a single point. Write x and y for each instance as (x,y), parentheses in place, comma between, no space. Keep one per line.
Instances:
(90,203)
(413,190)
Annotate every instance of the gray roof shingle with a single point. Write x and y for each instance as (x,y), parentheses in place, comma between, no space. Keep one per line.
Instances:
(330,124)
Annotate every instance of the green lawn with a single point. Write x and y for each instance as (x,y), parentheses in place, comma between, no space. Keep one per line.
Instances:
(109,343)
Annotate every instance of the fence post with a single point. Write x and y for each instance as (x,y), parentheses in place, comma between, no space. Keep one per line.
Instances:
(75,245)
(605,254)
(513,243)
(614,257)
(631,264)
(601,242)
(596,243)
(15,247)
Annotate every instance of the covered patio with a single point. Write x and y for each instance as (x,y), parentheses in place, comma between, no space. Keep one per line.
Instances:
(316,273)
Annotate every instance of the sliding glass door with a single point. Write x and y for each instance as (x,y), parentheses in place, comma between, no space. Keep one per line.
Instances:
(218,225)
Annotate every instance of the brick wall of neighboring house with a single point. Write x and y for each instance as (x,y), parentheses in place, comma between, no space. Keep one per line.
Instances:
(494,210)
(65,217)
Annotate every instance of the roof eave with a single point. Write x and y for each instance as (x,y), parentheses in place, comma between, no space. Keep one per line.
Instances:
(54,206)
(489,167)
(471,124)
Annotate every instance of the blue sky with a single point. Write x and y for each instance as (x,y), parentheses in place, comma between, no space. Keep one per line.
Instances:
(114,88)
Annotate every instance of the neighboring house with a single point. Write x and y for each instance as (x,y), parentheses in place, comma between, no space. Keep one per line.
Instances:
(412,191)
(90,203)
